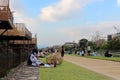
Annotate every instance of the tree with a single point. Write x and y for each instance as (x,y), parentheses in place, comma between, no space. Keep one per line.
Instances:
(99,40)
(83,43)
(104,46)
(92,45)
(114,44)
(97,36)
(67,47)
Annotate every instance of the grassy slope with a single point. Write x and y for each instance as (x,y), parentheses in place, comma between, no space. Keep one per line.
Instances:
(69,71)
(116,59)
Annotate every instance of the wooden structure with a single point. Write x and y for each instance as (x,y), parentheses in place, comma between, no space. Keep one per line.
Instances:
(30,44)
(19,32)
(6,16)
(33,41)
(17,37)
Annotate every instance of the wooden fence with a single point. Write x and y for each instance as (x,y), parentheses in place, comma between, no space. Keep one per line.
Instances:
(19,31)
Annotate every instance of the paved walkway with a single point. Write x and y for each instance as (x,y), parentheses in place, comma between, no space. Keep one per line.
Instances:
(24,72)
(108,68)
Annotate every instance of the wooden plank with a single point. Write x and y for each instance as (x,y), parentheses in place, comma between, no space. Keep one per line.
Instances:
(18,30)
(33,41)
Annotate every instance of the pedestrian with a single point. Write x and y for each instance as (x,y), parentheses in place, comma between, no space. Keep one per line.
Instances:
(62,51)
(94,53)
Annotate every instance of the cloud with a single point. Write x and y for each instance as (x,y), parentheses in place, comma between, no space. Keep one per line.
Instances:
(18,10)
(63,34)
(32,24)
(17,7)
(62,10)
(89,30)
(19,14)
(118,2)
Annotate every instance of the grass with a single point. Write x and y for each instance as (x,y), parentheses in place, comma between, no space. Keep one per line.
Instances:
(69,71)
(115,59)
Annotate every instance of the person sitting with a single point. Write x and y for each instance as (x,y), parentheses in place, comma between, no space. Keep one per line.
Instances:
(35,62)
(107,54)
(94,53)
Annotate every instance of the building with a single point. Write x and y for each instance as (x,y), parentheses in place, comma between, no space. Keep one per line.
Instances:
(70,44)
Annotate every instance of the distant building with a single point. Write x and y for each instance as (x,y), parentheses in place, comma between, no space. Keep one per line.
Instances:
(70,44)
(109,37)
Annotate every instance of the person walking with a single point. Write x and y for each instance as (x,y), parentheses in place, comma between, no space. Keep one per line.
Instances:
(62,51)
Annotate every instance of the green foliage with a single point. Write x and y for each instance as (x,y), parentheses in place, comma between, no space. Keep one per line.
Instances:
(116,59)
(113,44)
(92,45)
(69,71)
(116,55)
(67,47)
(83,42)
(104,46)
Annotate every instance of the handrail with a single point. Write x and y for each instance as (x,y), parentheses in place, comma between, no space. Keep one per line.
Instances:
(22,28)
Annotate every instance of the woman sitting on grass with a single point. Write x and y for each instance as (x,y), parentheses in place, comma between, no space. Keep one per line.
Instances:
(35,62)
(107,54)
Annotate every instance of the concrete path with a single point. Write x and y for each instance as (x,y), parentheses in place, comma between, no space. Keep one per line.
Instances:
(23,72)
(108,68)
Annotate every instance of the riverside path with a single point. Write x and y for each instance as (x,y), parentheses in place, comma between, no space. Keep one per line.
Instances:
(108,68)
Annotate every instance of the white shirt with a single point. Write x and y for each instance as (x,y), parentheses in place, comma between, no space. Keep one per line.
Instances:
(34,60)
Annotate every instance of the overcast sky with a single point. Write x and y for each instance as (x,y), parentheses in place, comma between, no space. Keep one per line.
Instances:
(58,21)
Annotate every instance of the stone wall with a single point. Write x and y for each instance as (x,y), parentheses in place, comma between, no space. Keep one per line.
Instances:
(10,58)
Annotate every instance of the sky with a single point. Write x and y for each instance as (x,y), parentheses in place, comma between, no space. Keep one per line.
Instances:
(58,21)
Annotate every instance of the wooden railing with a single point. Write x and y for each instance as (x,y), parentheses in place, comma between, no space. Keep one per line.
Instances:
(26,42)
(23,31)
(18,30)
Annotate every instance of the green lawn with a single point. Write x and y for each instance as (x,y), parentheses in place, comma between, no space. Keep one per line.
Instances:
(116,59)
(69,71)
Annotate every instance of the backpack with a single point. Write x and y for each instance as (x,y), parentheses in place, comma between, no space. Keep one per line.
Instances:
(29,62)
